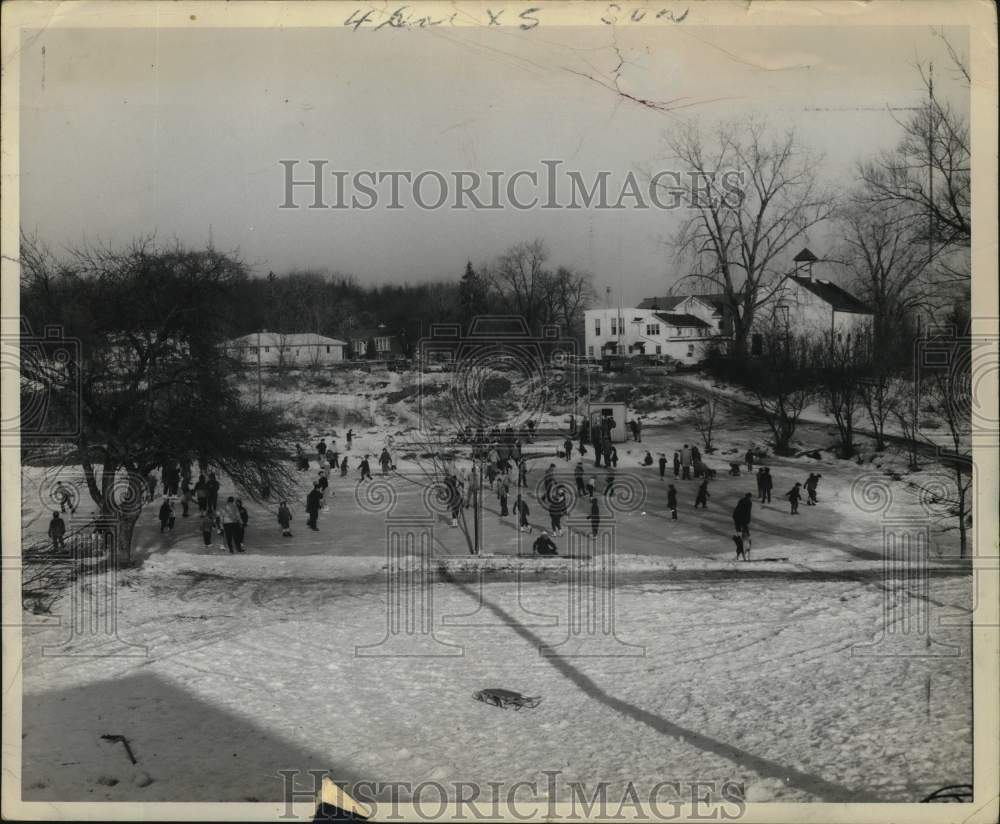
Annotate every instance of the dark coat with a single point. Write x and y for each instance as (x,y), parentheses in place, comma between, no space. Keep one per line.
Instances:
(741,514)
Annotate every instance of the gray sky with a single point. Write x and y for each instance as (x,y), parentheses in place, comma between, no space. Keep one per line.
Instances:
(126,132)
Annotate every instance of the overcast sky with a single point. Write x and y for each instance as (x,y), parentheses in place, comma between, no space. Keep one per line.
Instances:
(127,132)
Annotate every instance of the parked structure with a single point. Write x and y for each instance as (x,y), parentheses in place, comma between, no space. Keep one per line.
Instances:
(286,349)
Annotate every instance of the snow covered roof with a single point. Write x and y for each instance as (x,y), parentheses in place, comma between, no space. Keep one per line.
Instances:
(838,298)
(285,339)
(681,320)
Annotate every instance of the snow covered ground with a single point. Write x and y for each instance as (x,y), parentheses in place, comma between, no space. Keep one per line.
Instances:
(226,669)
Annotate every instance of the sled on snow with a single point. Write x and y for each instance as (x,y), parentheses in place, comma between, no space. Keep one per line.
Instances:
(507,698)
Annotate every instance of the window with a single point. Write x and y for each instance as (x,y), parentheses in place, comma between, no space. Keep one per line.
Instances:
(590,351)
(690,350)
(267,348)
(597,327)
(382,345)
(614,327)
(659,349)
(782,312)
(652,330)
(328,350)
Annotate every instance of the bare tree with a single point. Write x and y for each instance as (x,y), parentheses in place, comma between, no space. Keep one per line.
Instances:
(840,368)
(705,415)
(753,196)
(929,171)
(782,383)
(519,281)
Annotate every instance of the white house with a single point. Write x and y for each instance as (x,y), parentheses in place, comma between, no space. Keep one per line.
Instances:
(681,335)
(811,307)
(286,349)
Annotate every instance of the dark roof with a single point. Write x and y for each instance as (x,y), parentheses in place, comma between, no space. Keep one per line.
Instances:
(366,332)
(680,320)
(668,302)
(838,298)
(805,256)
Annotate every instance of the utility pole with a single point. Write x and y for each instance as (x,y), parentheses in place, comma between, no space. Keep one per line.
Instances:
(260,391)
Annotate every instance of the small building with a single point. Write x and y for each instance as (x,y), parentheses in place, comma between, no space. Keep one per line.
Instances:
(375,343)
(286,348)
(617,412)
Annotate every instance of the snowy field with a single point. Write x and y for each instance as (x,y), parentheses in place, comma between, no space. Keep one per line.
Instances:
(769,673)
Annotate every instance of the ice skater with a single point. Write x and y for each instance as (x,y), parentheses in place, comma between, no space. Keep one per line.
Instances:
(522,510)
(794,495)
(811,483)
(701,498)
(57,531)
(672,501)
(166,516)
(285,519)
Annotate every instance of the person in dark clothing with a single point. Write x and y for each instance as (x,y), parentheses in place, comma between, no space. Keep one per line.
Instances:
(760,484)
(568,449)
(185,497)
(634,429)
(366,470)
(212,487)
(672,501)
(57,531)
(742,550)
(594,517)
(350,439)
(522,511)
(285,519)
(385,461)
(544,545)
(695,456)
(701,498)
(321,449)
(503,490)
(638,430)
(557,508)
(663,466)
(811,483)
(741,515)
(301,461)
(313,500)
(166,515)
(648,460)
(749,460)
(578,477)
(343,467)
(768,484)
(794,495)
(244,519)
(530,426)
(612,458)
(572,425)
(201,493)
(584,432)
(677,464)
(322,482)
(454,495)
(207,523)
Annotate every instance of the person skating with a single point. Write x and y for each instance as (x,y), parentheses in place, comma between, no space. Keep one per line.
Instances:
(613,458)
(544,545)
(366,470)
(322,482)
(672,501)
(522,510)
(385,461)
(568,449)
(522,473)
(578,477)
(166,516)
(201,494)
(350,439)
(741,515)
(244,519)
(185,497)
(701,498)
(212,487)
(557,508)
(205,525)
(503,490)
(472,488)
(313,500)
(749,459)
(663,466)
(768,484)
(638,430)
(695,456)
(530,425)
(686,463)
(301,460)
(794,495)
(760,484)
(57,531)
(591,486)
(633,427)
(285,519)
(344,467)
(812,482)
(231,525)
(321,449)
(594,517)
(677,465)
